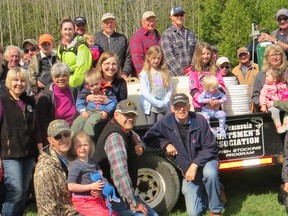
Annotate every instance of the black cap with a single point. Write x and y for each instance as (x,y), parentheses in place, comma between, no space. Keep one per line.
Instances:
(179,98)
(80,19)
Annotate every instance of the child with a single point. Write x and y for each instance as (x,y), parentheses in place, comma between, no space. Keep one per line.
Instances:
(212,98)
(90,39)
(41,64)
(271,91)
(79,181)
(92,113)
(155,85)
(203,65)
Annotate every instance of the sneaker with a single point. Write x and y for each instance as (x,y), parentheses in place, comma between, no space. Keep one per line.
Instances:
(223,197)
(281,130)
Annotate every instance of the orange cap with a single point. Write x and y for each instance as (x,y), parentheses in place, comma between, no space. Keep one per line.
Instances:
(46,38)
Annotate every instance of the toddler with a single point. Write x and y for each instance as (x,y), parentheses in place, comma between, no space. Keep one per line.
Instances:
(90,40)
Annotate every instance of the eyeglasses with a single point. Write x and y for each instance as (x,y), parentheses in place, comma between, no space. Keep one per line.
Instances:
(179,15)
(59,136)
(282,19)
(226,67)
(275,55)
(110,64)
(32,49)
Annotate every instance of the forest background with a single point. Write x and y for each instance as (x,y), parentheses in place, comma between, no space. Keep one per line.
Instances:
(224,23)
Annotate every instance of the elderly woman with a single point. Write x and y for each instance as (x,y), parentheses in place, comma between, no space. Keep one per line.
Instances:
(20,136)
(274,57)
(57,100)
(74,52)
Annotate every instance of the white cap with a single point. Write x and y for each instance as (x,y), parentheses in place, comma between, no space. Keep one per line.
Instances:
(222,60)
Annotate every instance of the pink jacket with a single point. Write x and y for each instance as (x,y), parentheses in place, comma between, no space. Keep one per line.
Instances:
(195,85)
(271,93)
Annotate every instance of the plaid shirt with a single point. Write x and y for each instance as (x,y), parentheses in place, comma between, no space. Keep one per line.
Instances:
(117,157)
(178,46)
(140,42)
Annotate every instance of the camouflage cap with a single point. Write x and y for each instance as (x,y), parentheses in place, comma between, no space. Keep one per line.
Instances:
(57,126)
(126,106)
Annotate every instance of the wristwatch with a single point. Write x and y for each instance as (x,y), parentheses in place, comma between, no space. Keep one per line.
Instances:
(276,42)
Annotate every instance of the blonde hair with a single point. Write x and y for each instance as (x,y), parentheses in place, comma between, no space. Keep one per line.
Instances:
(13,72)
(210,81)
(104,56)
(197,62)
(266,63)
(92,76)
(152,52)
(75,139)
(89,36)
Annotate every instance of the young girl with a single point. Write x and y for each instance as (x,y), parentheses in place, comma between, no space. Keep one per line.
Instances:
(271,91)
(155,85)
(203,65)
(79,181)
(90,39)
(212,98)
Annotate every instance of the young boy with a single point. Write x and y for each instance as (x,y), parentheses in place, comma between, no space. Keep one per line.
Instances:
(40,66)
(92,113)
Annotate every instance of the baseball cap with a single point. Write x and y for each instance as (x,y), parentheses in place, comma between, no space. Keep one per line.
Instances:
(176,10)
(179,98)
(222,60)
(31,41)
(148,14)
(46,38)
(242,50)
(57,126)
(214,48)
(282,11)
(80,19)
(107,16)
(126,106)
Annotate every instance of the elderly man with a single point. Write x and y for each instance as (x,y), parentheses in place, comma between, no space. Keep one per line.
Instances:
(187,136)
(146,37)
(280,35)
(110,40)
(116,146)
(178,43)
(80,25)
(12,56)
(246,71)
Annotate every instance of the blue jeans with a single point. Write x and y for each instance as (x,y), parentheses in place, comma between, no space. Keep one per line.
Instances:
(123,210)
(17,174)
(205,187)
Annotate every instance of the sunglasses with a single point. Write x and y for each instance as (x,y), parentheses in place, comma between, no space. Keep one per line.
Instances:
(282,19)
(222,67)
(179,15)
(59,136)
(32,49)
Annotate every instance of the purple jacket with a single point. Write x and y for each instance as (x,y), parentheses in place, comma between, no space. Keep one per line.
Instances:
(202,146)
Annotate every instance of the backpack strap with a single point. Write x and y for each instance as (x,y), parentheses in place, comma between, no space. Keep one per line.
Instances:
(73,49)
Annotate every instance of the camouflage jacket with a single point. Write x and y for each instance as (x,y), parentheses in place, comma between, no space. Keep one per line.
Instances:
(51,190)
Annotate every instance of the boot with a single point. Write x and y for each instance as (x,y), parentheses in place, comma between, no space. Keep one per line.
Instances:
(278,126)
(285,122)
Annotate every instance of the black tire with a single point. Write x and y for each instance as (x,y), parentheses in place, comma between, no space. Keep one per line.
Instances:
(158,183)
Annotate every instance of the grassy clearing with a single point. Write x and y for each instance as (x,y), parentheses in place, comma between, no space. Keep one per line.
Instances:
(249,192)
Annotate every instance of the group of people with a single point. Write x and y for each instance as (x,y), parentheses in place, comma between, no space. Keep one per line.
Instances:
(52,104)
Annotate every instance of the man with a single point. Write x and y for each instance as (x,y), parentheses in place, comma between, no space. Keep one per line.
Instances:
(80,25)
(51,190)
(280,35)
(246,71)
(178,43)
(41,63)
(146,37)
(116,146)
(110,40)
(187,136)
(30,47)
(12,56)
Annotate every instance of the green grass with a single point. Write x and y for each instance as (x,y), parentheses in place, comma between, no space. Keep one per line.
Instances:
(251,192)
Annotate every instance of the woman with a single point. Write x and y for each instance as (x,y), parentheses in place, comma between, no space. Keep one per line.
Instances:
(20,137)
(52,195)
(274,57)
(74,52)
(57,100)
(108,65)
